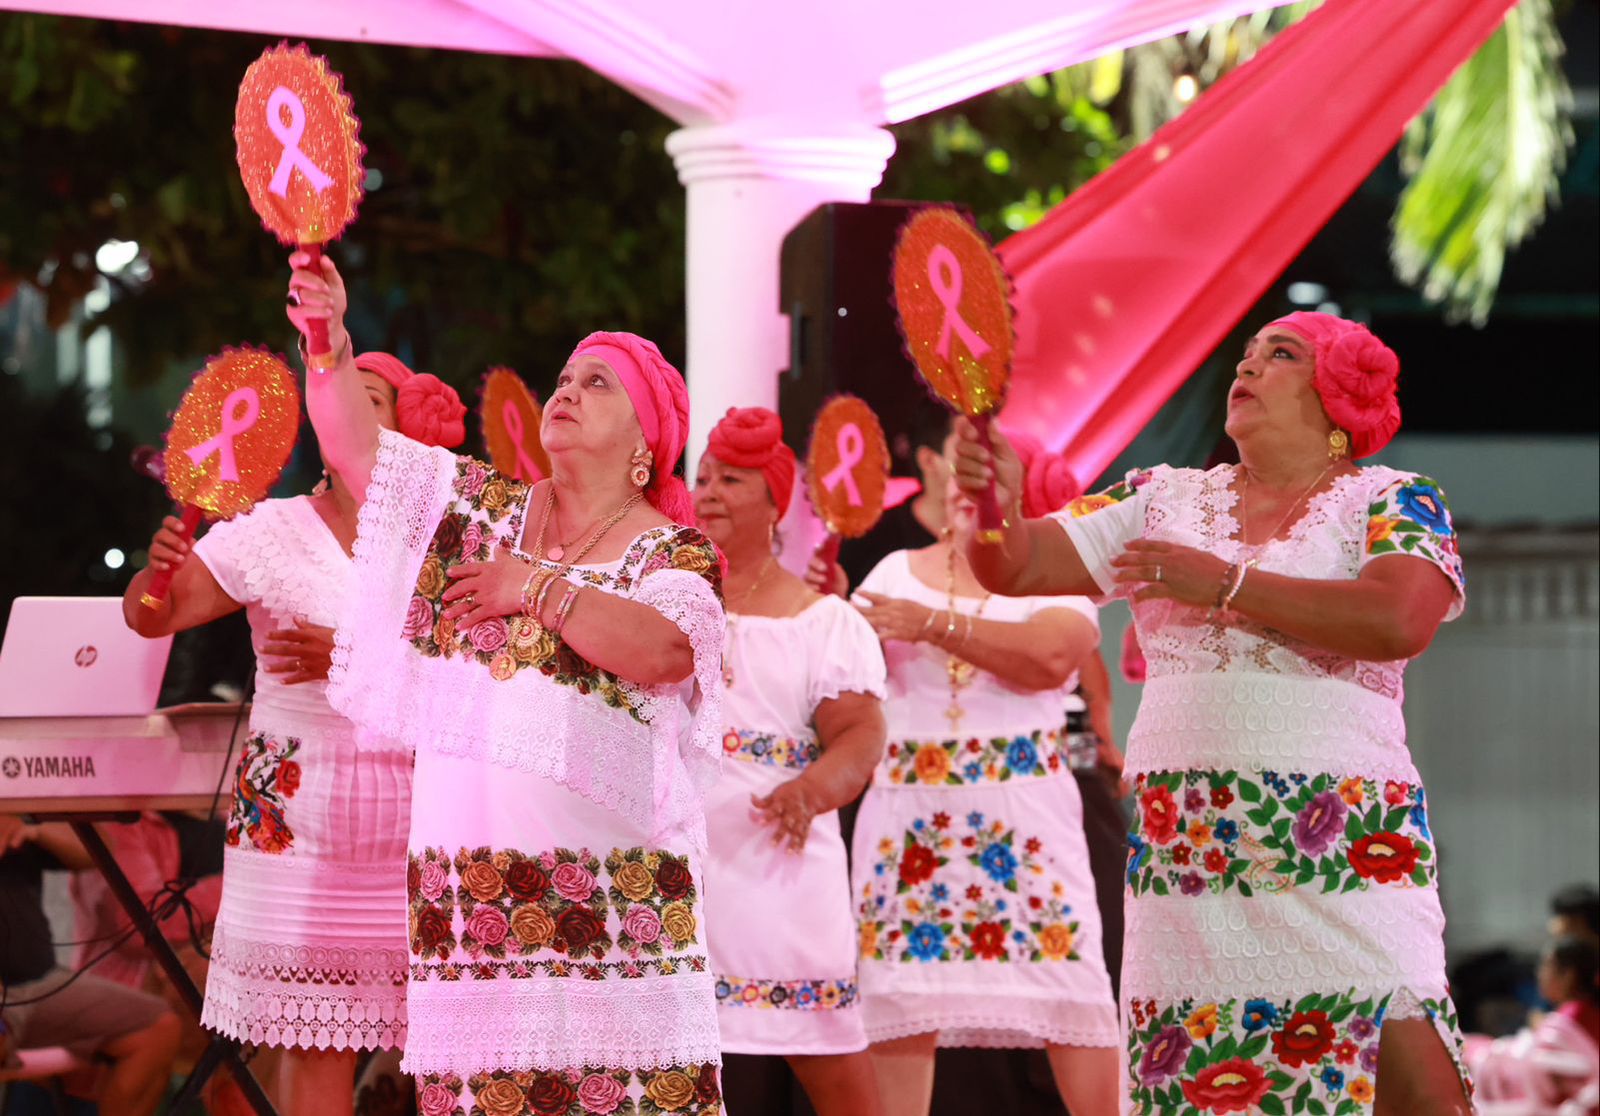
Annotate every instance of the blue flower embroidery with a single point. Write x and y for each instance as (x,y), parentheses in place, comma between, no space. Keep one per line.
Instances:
(1419,814)
(1226,831)
(925,942)
(1333,1079)
(975,819)
(1422,503)
(973,772)
(1138,856)
(998,861)
(1259,1014)
(1022,756)
(939,893)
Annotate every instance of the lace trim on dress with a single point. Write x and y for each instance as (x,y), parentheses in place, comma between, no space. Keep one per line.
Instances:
(483,1025)
(1012,1022)
(322,997)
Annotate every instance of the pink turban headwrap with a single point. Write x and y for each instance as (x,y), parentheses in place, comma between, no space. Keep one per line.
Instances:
(752,438)
(1357,377)
(427,409)
(1047,480)
(661,401)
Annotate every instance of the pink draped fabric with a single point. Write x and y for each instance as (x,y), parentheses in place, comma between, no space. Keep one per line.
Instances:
(1131,282)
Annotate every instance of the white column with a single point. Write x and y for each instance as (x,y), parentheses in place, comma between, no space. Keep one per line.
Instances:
(749,183)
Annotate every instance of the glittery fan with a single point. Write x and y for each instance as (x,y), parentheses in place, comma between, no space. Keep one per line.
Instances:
(953,300)
(511,415)
(229,440)
(299,153)
(847,471)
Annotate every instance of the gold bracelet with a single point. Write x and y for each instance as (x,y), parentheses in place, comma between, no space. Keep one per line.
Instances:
(323,363)
(536,583)
(1238,583)
(543,595)
(564,609)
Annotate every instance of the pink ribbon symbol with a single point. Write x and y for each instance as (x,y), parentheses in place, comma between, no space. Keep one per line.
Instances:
(289,135)
(944,272)
(234,423)
(511,418)
(852,448)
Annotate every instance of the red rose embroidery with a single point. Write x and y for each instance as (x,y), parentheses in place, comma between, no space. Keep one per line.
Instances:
(288,778)
(707,1091)
(1221,797)
(525,880)
(1385,857)
(673,880)
(989,940)
(1232,1086)
(1180,855)
(917,865)
(1304,1039)
(1160,813)
(447,539)
(433,927)
(413,877)
(550,1095)
(578,929)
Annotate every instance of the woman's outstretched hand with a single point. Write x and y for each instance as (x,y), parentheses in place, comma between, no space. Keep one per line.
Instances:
(317,294)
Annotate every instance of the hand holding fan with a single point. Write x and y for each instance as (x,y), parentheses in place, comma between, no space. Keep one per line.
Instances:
(847,471)
(299,154)
(511,417)
(229,440)
(954,306)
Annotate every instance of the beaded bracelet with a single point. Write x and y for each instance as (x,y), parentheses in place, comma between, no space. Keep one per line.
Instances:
(950,628)
(533,589)
(564,609)
(1238,583)
(543,594)
(922,632)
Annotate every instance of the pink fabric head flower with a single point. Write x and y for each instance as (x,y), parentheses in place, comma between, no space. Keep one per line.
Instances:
(752,438)
(661,401)
(427,409)
(1047,480)
(1357,377)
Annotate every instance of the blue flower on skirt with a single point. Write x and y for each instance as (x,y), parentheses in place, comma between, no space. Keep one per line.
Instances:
(1333,1079)
(939,893)
(973,772)
(999,862)
(1423,503)
(975,819)
(1138,856)
(925,942)
(1226,831)
(919,824)
(723,990)
(1419,814)
(1259,1014)
(1021,755)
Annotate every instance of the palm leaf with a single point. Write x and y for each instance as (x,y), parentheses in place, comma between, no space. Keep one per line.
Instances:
(1483,163)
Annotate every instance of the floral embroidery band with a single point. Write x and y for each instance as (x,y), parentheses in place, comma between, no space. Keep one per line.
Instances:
(789,995)
(1206,831)
(956,763)
(591,1091)
(771,750)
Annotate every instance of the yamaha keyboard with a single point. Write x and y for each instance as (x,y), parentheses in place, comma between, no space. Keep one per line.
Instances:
(172,759)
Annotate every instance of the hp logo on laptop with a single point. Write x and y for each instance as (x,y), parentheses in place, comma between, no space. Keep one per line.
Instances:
(86,655)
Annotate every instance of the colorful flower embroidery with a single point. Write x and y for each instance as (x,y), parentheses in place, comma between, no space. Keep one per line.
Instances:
(591,1091)
(1413,517)
(1000,907)
(1275,833)
(1315,1055)
(1116,494)
(504,908)
(960,762)
(770,750)
(264,780)
(789,995)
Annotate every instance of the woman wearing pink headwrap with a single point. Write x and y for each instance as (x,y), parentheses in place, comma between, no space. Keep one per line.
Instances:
(306,954)
(1285,941)
(552,653)
(804,729)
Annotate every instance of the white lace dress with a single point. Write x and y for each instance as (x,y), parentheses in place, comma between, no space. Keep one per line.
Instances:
(309,947)
(780,925)
(1282,894)
(976,908)
(557,847)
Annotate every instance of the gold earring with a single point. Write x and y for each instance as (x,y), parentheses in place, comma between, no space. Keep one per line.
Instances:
(639,474)
(1338,444)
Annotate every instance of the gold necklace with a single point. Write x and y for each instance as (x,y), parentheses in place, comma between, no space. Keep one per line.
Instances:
(733,618)
(557,552)
(1244,507)
(958,670)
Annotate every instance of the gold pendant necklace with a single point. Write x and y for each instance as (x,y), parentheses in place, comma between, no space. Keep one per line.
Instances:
(958,670)
(733,620)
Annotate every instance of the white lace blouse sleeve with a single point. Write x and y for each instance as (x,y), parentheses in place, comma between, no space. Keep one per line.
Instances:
(845,656)
(686,589)
(410,489)
(226,549)
(1101,526)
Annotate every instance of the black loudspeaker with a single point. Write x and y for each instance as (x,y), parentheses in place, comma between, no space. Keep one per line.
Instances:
(835,285)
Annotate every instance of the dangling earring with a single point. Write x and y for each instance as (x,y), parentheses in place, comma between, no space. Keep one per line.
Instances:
(1338,444)
(323,484)
(640,473)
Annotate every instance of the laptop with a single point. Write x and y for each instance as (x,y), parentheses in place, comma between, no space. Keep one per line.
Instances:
(76,657)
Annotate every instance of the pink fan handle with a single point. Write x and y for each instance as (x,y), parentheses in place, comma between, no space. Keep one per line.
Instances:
(156,595)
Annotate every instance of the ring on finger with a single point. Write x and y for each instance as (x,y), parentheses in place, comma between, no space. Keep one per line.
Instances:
(1158,573)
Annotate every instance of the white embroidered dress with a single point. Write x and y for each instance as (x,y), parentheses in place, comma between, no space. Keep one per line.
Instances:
(556,856)
(976,907)
(1282,880)
(781,927)
(309,947)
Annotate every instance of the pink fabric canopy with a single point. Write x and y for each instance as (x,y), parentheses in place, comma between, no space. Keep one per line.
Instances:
(1132,281)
